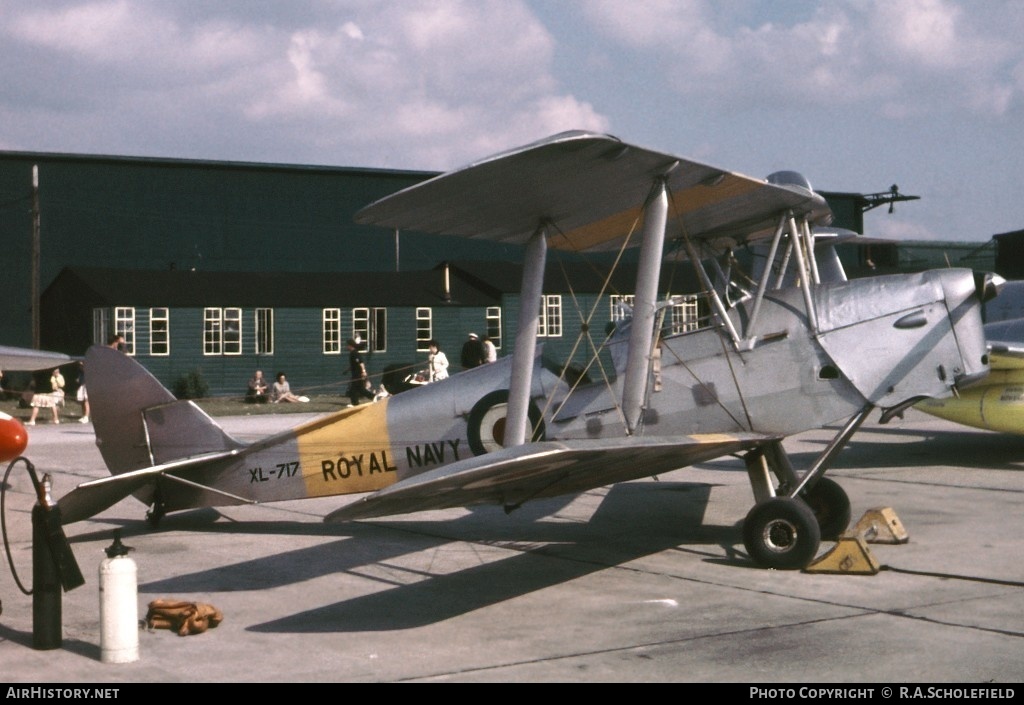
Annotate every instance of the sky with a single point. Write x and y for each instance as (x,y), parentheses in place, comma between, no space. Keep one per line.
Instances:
(855,94)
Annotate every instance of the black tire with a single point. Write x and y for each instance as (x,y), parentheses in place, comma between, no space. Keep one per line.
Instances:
(781,533)
(831,507)
(485,427)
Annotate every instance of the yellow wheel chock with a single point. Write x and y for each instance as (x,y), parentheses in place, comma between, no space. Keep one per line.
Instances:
(851,555)
(881,526)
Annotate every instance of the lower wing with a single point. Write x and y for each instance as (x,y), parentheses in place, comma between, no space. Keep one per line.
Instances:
(514,475)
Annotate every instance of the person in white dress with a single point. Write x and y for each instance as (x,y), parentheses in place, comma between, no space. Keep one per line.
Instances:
(437,363)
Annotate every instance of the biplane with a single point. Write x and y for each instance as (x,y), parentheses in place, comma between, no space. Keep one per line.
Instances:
(780,350)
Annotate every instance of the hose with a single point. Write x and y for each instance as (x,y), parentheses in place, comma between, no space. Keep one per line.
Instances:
(3,515)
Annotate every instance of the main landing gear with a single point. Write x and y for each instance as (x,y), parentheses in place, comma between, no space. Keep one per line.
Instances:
(781,533)
(786,526)
(785,532)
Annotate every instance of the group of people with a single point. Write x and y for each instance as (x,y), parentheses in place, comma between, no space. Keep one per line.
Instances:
(260,391)
(475,352)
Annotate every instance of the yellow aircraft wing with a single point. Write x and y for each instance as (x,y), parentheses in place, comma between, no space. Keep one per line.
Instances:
(591,189)
(511,476)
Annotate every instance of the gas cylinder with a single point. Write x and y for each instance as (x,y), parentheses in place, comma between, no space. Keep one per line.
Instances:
(119,609)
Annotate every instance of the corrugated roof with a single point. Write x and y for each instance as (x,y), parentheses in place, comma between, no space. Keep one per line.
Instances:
(209,163)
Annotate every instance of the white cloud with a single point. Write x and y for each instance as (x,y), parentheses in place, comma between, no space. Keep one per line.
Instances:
(98,30)
(914,55)
(853,91)
(455,73)
(649,23)
(441,79)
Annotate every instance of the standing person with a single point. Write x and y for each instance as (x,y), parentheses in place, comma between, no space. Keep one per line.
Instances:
(282,391)
(359,386)
(116,341)
(49,400)
(257,391)
(472,352)
(490,352)
(82,395)
(437,363)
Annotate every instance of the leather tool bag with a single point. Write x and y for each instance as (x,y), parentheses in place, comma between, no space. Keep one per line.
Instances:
(182,617)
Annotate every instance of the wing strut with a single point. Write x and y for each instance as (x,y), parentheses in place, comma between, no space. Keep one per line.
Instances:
(805,272)
(641,334)
(712,293)
(833,448)
(526,338)
(762,285)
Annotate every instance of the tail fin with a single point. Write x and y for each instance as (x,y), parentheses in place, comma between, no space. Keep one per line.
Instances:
(138,422)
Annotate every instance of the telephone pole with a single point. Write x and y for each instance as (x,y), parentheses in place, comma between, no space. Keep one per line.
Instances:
(35,256)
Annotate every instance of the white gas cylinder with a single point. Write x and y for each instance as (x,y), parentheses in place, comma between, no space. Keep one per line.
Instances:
(119,609)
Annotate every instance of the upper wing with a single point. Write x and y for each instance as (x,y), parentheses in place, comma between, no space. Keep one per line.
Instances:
(29,360)
(545,469)
(592,188)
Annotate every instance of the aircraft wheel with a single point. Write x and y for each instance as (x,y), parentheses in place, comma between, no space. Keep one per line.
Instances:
(781,533)
(831,507)
(485,427)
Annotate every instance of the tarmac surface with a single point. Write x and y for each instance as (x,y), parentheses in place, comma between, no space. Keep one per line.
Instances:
(645,581)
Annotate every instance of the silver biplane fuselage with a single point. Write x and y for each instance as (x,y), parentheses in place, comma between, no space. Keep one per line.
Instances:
(783,351)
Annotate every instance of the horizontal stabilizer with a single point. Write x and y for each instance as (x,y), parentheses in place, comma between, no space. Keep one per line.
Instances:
(91,498)
(513,475)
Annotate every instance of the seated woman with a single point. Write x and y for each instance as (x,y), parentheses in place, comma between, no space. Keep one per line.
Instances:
(258,388)
(282,391)
(49,400)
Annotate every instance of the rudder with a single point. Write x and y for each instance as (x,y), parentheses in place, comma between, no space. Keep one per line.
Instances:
(138,422)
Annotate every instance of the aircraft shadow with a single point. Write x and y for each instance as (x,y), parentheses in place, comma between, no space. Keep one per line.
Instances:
(969,448)
(209,520)
(659,516)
